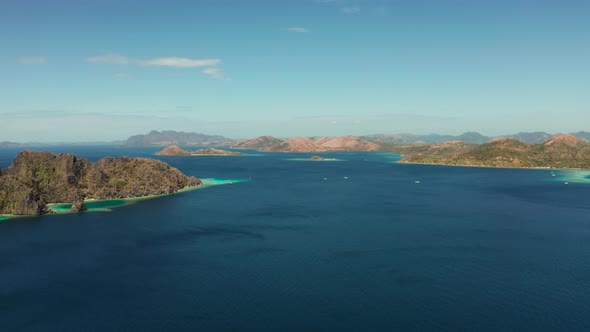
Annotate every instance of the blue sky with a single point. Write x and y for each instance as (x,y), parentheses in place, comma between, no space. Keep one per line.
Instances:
(103,70)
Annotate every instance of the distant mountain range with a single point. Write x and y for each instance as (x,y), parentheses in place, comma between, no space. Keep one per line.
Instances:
(583,135)
(6,144)
(536,149)
(469,137)
(171,137)
(301,144)
(311,144)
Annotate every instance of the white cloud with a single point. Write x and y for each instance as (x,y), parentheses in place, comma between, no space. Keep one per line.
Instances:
(32,60)
(214,73)
(298,29)
(179,62)
(351,10)
(176,62)
(170,62)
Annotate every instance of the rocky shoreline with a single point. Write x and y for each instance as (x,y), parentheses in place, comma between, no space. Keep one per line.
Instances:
(36,179)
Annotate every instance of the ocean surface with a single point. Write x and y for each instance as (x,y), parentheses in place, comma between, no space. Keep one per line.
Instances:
(357,244)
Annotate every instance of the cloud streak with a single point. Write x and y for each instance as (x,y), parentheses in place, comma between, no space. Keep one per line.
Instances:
(298,29)
(179,62)
(211,69)
(214,73)
(32,60)
(351,10)
(174,62)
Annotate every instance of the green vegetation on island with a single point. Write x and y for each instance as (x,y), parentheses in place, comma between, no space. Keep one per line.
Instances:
(36,179)
(174,150)
(561,151)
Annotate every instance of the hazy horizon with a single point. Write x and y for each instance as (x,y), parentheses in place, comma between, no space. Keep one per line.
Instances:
(102,71)
(277,136)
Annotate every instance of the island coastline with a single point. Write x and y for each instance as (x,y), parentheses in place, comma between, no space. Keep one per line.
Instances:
(63,208)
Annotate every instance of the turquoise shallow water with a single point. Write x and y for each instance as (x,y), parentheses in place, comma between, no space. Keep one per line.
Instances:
(308,159)
(101,205)
(217,182)
(107,205)
(574,176)
(464,249)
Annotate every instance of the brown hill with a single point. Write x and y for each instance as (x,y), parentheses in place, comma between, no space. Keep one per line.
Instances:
(420,150)
(262,142)
(346,143)
(566,139)
(296,144)
(561,151)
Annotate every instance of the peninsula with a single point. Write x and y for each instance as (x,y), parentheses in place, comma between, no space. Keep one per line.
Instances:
(174,150)
(36,179)
(560,151)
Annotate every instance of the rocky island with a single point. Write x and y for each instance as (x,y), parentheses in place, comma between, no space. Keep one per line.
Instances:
(174,150)
(316,158)
(36,179)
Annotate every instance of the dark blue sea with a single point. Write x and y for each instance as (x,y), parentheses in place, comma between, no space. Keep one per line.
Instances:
(465,249)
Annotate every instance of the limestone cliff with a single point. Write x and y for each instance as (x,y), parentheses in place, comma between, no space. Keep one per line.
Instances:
(37,178)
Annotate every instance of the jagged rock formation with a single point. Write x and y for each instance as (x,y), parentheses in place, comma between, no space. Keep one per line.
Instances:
(37,178)
(128,177)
